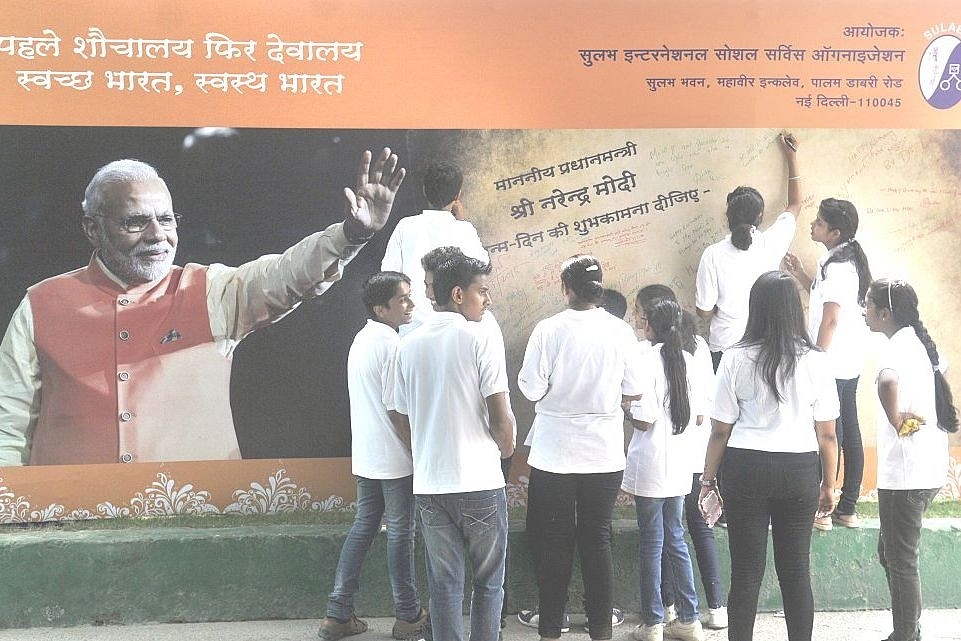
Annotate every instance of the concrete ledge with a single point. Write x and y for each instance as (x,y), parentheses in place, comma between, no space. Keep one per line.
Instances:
(56,578)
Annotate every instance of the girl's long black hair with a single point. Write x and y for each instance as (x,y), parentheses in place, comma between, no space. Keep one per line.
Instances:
(902,300)
(667,324)
(776,325)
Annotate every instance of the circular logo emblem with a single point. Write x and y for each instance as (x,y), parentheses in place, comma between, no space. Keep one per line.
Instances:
(940,72)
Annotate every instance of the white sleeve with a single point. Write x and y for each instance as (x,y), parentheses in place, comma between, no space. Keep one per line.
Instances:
(399,403)
(705,370)
(635,374)
(471,244)
(826,404)
(534,377)
(388,375)
(726,408)
(393,256)
(19,387)
(241,299)
(840,284)
(491,362)
(648,408)
(706,290)
(780,235)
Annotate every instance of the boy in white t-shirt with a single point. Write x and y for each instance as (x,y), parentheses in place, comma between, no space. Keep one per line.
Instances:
(381,461)
(443,223)
(451,384)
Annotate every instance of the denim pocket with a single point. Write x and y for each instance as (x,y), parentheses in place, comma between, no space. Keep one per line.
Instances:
(430,515)
(920,499)
(479,515)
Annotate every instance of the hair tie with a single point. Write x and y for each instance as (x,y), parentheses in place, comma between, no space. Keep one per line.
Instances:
(591,268)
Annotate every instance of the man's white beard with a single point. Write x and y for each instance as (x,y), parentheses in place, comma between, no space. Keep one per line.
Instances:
(130,266)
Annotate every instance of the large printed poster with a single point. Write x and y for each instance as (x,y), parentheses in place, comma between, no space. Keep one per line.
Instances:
(620,137)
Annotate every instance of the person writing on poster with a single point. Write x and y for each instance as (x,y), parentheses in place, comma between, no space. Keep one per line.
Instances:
(728,268)
(128,359)
(915,414)
(835,322)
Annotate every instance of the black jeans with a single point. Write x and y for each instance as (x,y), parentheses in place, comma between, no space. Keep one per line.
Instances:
(564,512)
(848,432)
(780,488)
(899,543)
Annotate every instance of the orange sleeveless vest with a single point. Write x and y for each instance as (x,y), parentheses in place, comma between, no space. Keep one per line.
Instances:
(129,375)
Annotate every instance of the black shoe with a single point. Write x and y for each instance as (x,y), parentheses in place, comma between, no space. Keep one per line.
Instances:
(532,618)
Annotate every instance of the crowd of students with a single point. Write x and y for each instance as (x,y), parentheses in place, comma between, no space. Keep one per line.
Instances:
(753,418)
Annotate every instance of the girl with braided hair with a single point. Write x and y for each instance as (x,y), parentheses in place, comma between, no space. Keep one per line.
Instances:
(916,412)
(834,320)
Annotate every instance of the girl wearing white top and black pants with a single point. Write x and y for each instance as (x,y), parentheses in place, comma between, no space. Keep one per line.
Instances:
(916,412)
(728,268)
(834,319)
(773,431)
(578,366)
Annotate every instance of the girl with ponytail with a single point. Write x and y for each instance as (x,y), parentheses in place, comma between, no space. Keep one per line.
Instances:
(702,535)
(834,319)
(578,367)
(916,412)
(658,471)
(729,267)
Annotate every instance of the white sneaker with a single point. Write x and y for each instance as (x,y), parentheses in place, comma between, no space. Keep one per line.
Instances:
(684,631)
(716,618)
(670,613)
(648,632)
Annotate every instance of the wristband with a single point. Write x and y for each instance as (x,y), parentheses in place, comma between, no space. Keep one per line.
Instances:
(708,482)
(356,241)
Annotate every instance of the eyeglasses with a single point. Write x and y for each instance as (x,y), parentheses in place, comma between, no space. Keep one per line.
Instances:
(136,223)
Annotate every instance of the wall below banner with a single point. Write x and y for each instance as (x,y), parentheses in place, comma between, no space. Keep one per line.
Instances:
(116,577)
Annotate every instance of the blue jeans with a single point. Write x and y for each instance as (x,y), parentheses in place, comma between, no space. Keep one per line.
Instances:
(567,512)
(705,549)
(393,501)
(899,543)
(469,526)
(780,489)
(848,432)
(661,534)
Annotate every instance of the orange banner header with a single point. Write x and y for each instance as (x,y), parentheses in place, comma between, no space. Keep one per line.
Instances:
(498,64)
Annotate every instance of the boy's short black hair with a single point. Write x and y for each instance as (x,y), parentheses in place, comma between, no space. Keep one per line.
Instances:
(459,271)
(379,288)
(442,184)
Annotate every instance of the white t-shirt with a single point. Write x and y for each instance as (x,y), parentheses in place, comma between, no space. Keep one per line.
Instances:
(576,367)
(848,346)
(659,463)
(376,450)
(417,235)
(761,422)
(918,461)
(698,435)
(445,371)
(726,274)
